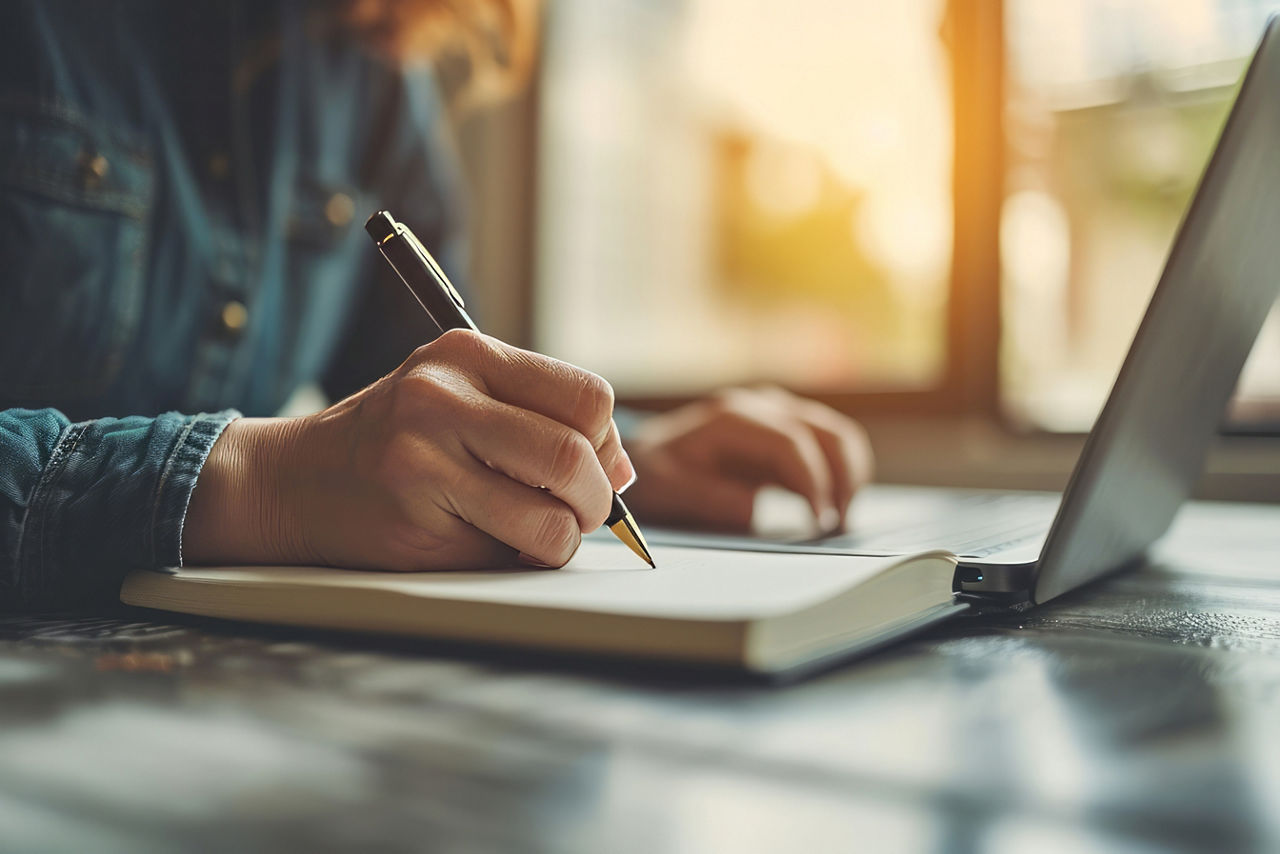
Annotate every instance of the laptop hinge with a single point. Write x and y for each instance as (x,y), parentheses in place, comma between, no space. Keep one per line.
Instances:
(1003,579)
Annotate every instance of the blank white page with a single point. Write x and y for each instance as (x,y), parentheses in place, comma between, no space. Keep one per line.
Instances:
(605,576)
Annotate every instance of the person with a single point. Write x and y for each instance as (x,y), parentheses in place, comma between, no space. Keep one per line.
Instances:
(179,188)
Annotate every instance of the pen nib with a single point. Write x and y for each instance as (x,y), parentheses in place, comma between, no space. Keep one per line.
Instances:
(625,529)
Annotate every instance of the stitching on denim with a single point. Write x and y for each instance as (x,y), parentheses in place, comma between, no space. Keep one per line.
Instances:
(158,497)
(40,497)
(36,495)
(59,112)
(218,426)
(130,203)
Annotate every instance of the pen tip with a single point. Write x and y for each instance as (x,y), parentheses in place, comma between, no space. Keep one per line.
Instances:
(625,529)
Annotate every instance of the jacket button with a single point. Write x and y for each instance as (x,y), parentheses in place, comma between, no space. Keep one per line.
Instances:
(93,168)
(234,317)
(339,210)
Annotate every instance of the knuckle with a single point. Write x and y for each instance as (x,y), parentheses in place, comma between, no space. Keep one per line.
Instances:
(853,437)
(773,392)
(599,392)
(725,411)
(724,400)
(461,343)
(557,535)
(420,389)
(858,435)
(595,402)
(421,353)
(737,404)
(568,459)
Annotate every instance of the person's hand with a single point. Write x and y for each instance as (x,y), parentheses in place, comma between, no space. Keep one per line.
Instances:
(701,465)
(470,453)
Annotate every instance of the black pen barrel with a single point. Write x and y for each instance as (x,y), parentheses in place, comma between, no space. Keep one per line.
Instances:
(433,294)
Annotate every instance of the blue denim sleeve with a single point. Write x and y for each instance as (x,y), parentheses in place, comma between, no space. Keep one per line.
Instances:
(82,504)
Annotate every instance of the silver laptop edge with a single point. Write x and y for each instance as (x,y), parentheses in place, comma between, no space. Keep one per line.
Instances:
(1148,446)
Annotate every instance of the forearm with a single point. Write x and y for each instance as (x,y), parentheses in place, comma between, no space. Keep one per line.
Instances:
(82,504)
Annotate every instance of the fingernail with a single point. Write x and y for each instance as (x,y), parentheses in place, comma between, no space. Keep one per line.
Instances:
(828,518)
(629,481)
(530,560)
(627,470)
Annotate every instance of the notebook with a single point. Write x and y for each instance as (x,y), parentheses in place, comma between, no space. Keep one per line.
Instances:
(763,612)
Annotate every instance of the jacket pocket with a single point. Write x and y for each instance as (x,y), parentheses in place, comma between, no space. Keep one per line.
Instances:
(75,202)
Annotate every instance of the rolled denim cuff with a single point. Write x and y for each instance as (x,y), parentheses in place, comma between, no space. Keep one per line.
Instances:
(112,498)
(178,481)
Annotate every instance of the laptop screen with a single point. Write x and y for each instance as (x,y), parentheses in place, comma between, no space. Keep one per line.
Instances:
(1149,444)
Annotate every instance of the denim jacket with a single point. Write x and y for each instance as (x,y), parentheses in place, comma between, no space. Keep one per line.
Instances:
(182,190)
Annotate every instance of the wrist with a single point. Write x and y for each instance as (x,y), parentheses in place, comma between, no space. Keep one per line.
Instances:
(238,512)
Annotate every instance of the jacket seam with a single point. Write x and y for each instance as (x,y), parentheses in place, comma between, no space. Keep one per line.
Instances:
(56,111)
(220,422)
(62,451)
(158,497)
(131,203)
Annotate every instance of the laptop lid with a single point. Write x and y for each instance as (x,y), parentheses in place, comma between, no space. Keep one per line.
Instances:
(1148,447)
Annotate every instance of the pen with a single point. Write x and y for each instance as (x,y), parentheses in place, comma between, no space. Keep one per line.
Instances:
(441,300)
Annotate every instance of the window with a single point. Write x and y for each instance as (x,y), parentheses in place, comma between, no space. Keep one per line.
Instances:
(1113,107)
(735,190)
(854,197)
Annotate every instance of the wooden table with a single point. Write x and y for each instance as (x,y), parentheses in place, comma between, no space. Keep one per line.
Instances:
(1142,713)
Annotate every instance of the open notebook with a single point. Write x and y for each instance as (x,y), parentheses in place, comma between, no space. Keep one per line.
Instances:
(764,612)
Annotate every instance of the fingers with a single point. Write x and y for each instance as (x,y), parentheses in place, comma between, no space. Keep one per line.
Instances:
(532,521)
(757,436)
(847,451)
(557,390)
(470,452)
(615,460)
(458,546)
(542,453)
(775,448)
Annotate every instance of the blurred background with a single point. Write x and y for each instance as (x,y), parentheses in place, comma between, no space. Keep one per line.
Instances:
(943,216)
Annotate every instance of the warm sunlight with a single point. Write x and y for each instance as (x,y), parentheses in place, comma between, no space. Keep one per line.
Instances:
(782,172)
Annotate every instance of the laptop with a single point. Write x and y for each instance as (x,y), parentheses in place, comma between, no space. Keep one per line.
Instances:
(1148,446)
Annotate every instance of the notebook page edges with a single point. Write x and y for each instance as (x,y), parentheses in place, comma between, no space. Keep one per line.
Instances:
(698,584)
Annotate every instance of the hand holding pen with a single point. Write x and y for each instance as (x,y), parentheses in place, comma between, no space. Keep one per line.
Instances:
(470,454)
(436,294)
